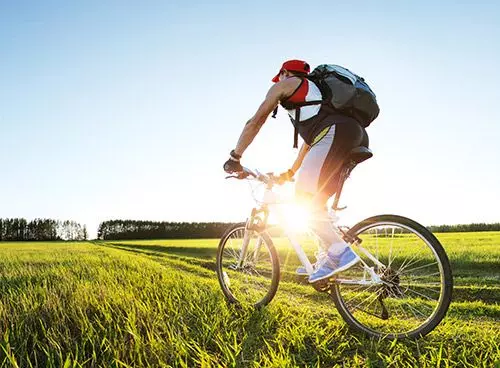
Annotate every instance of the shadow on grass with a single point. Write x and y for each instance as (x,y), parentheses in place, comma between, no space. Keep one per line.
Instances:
(259,325)
(183,262)
(460,267)
(477,289)
(198,252)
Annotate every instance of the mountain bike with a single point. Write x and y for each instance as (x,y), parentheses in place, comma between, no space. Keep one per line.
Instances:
(401,288)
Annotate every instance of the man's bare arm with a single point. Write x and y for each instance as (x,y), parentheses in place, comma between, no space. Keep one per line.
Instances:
(276,93)
(253,125)
(300,157)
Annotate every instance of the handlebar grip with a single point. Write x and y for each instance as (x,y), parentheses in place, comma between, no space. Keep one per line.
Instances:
(238,175)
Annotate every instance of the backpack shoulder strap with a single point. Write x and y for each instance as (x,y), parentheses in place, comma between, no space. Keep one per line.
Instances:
(275,111)
(296,128)
(297,106)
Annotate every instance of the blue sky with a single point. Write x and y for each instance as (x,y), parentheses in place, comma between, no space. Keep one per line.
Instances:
(120,109)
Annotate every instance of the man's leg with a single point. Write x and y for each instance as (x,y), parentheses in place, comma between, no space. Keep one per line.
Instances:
(307,194)
(339,256)
(319,225)
(316,182)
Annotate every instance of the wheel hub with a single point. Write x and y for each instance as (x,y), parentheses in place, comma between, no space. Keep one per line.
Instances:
(390,286)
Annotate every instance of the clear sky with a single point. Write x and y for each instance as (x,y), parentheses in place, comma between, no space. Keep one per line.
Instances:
(126,109)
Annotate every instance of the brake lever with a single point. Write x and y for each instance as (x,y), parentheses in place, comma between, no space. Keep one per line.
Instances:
(276,179)
(240,175)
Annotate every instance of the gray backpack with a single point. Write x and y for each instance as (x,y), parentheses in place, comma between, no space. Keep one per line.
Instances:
(346,92)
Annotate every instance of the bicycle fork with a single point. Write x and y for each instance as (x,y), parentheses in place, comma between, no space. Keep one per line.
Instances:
(300,252)
(244,247)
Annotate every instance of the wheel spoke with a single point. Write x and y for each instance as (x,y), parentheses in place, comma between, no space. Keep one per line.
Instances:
(366,290)
(422,295)
(250,281)
(413,282)
(418,268)
(390,251)
(423,276)
(373,296)
(428,288)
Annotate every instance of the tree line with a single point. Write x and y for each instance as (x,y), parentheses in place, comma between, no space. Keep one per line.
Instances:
(465,228)
(134,229)
(19,229)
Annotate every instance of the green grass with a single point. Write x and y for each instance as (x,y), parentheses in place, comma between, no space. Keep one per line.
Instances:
(158,303)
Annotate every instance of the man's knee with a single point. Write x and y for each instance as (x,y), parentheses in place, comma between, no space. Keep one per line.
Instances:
(314,201)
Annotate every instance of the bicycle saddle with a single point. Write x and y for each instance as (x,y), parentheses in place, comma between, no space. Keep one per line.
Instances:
(359,154)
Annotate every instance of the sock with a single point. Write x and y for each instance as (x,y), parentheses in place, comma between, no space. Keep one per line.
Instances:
(337,249)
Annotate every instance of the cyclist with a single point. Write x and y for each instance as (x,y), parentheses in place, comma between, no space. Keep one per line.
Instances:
(328,136)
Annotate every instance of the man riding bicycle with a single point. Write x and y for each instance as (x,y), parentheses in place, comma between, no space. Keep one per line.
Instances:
(328,137)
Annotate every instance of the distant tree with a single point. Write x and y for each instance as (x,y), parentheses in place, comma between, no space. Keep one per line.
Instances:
(18,229)
(465,227)
(136,229)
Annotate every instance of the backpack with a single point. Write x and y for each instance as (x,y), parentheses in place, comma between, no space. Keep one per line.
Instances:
(346,92)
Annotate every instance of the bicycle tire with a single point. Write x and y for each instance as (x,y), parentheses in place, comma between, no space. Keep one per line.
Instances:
(220,269)
(446,279)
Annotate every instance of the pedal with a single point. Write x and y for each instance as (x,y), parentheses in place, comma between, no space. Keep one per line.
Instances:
(302,279)
(322,285)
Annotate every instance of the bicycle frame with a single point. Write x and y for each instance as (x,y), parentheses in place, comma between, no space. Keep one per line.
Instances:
(406,293)
(272,202)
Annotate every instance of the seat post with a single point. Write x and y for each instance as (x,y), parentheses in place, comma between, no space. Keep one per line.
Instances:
(355,156)
(342,178)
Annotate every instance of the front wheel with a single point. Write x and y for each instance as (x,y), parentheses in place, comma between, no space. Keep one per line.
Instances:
(414,286)
(247,266)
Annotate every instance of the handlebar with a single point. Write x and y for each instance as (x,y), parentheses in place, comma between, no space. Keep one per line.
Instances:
(269,178)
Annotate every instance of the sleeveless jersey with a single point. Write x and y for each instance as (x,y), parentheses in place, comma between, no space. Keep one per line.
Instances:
(314,118)
(307,91)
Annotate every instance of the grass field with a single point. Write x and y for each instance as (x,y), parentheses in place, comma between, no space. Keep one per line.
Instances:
(158,303)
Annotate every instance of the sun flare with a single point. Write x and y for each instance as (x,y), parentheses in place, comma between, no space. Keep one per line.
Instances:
(296,217)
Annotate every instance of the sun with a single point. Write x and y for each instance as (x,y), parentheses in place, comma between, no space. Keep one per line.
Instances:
(296,217)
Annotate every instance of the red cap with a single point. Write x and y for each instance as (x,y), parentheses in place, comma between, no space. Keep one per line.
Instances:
(293,66)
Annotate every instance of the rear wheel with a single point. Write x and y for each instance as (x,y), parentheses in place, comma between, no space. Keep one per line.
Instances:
(247,266)
(415,287)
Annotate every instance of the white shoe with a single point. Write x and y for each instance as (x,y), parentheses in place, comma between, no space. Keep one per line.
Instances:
(320,254)
(334,264)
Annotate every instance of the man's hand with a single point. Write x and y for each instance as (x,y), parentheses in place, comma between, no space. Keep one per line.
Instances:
(233,164)
(286,176)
